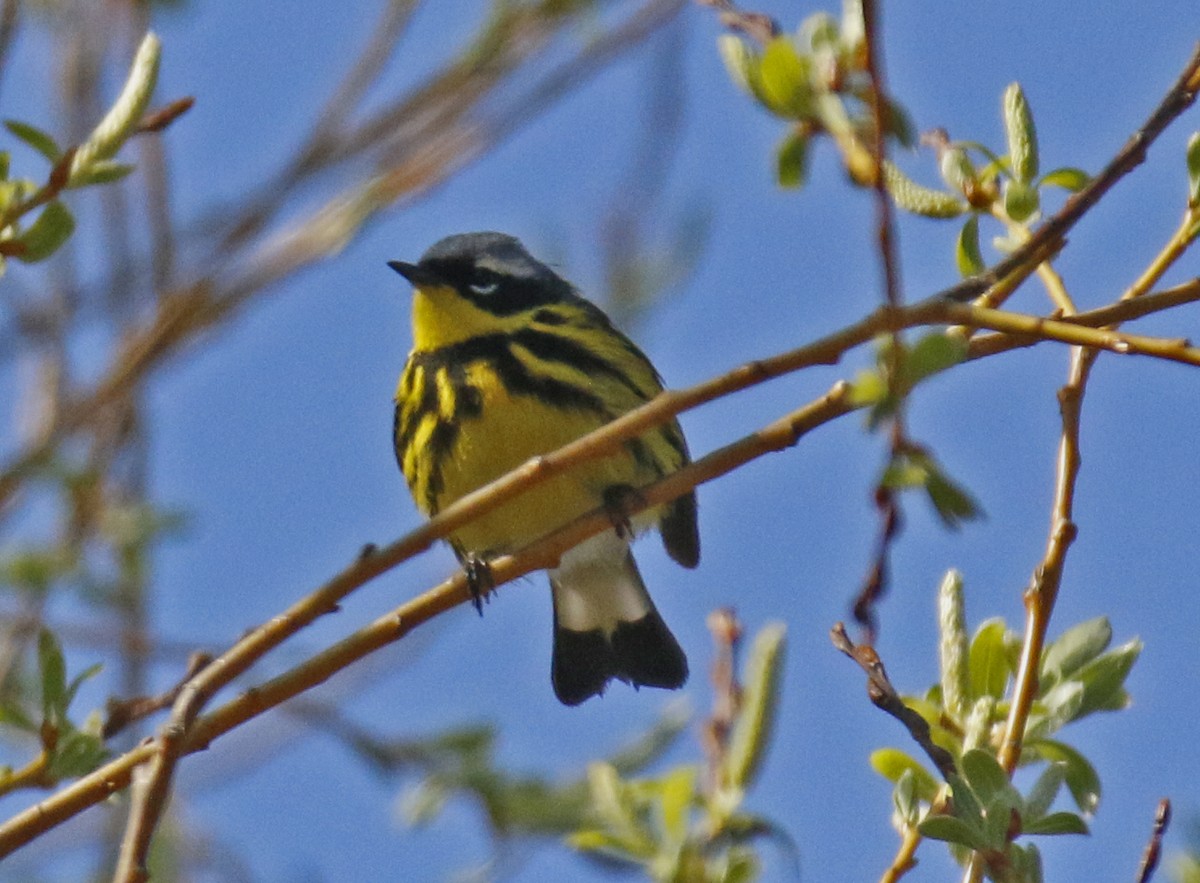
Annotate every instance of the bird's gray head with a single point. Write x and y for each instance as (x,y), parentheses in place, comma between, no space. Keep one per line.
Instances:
(488,268)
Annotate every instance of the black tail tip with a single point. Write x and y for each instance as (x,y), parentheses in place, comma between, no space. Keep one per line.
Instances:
(643,653)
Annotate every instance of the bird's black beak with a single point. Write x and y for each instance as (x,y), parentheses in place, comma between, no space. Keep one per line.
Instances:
(416,274)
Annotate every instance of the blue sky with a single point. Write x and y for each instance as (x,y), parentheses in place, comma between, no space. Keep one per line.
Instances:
(275,438)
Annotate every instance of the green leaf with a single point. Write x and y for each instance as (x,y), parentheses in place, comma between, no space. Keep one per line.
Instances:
(1044,792)
(102,171)
(957,170)
(1056,708)
(609,797)
(80,679)
(46,235)
(998,820)
(990,664)
(678,794)
(77,754)
(985,775)
(15,191)
(1077,645)
(868,388)
(951,501)
(742,866)
(933,353)
(903,473)
(900,125)
(1081,777)
(966,805)
(784,74)
(894,764)
(1103,679)
(967,255)
(953,830)
(740,61)
(31,570)
(35,138)
(1193,169)
(601,841)
(4,164)
(1026,862)
(1022,136)
(1056,823)
(1067,178)
(920,200)
(755,722)
(13,716)
(792,160)
(53,671)
(904,800)
(1021,200)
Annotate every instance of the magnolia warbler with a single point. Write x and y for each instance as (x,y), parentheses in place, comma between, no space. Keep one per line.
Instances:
(509,362)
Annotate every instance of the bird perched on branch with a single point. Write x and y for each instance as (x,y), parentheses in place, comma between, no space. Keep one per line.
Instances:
(509,362)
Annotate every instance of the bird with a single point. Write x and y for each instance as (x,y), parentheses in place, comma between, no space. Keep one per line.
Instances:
(509,361)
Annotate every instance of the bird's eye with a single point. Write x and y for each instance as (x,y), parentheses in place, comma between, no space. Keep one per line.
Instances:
(485,288)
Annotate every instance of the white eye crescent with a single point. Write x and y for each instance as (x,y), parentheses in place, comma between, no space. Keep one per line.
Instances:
(484,288)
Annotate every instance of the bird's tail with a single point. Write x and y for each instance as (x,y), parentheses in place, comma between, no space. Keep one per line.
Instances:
(606,625)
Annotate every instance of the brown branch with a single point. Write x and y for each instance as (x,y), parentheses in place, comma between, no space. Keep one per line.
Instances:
(886,501)
(759,26)
(121,713)
(159,119)
(727,694)
(884,696)
(1162,818)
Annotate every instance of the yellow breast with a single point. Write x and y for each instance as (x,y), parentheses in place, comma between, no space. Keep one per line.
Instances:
(491,436)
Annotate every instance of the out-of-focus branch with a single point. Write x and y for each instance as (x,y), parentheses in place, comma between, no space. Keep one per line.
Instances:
(413,145)
(9,17)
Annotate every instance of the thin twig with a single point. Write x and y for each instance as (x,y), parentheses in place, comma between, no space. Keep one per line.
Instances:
(727,694)
(120,713)
(886,500)
(757,25)
(1162,818)
(884,696)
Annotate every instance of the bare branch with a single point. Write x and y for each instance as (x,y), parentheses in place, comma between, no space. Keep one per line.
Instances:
(884,696)
(1162,818)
